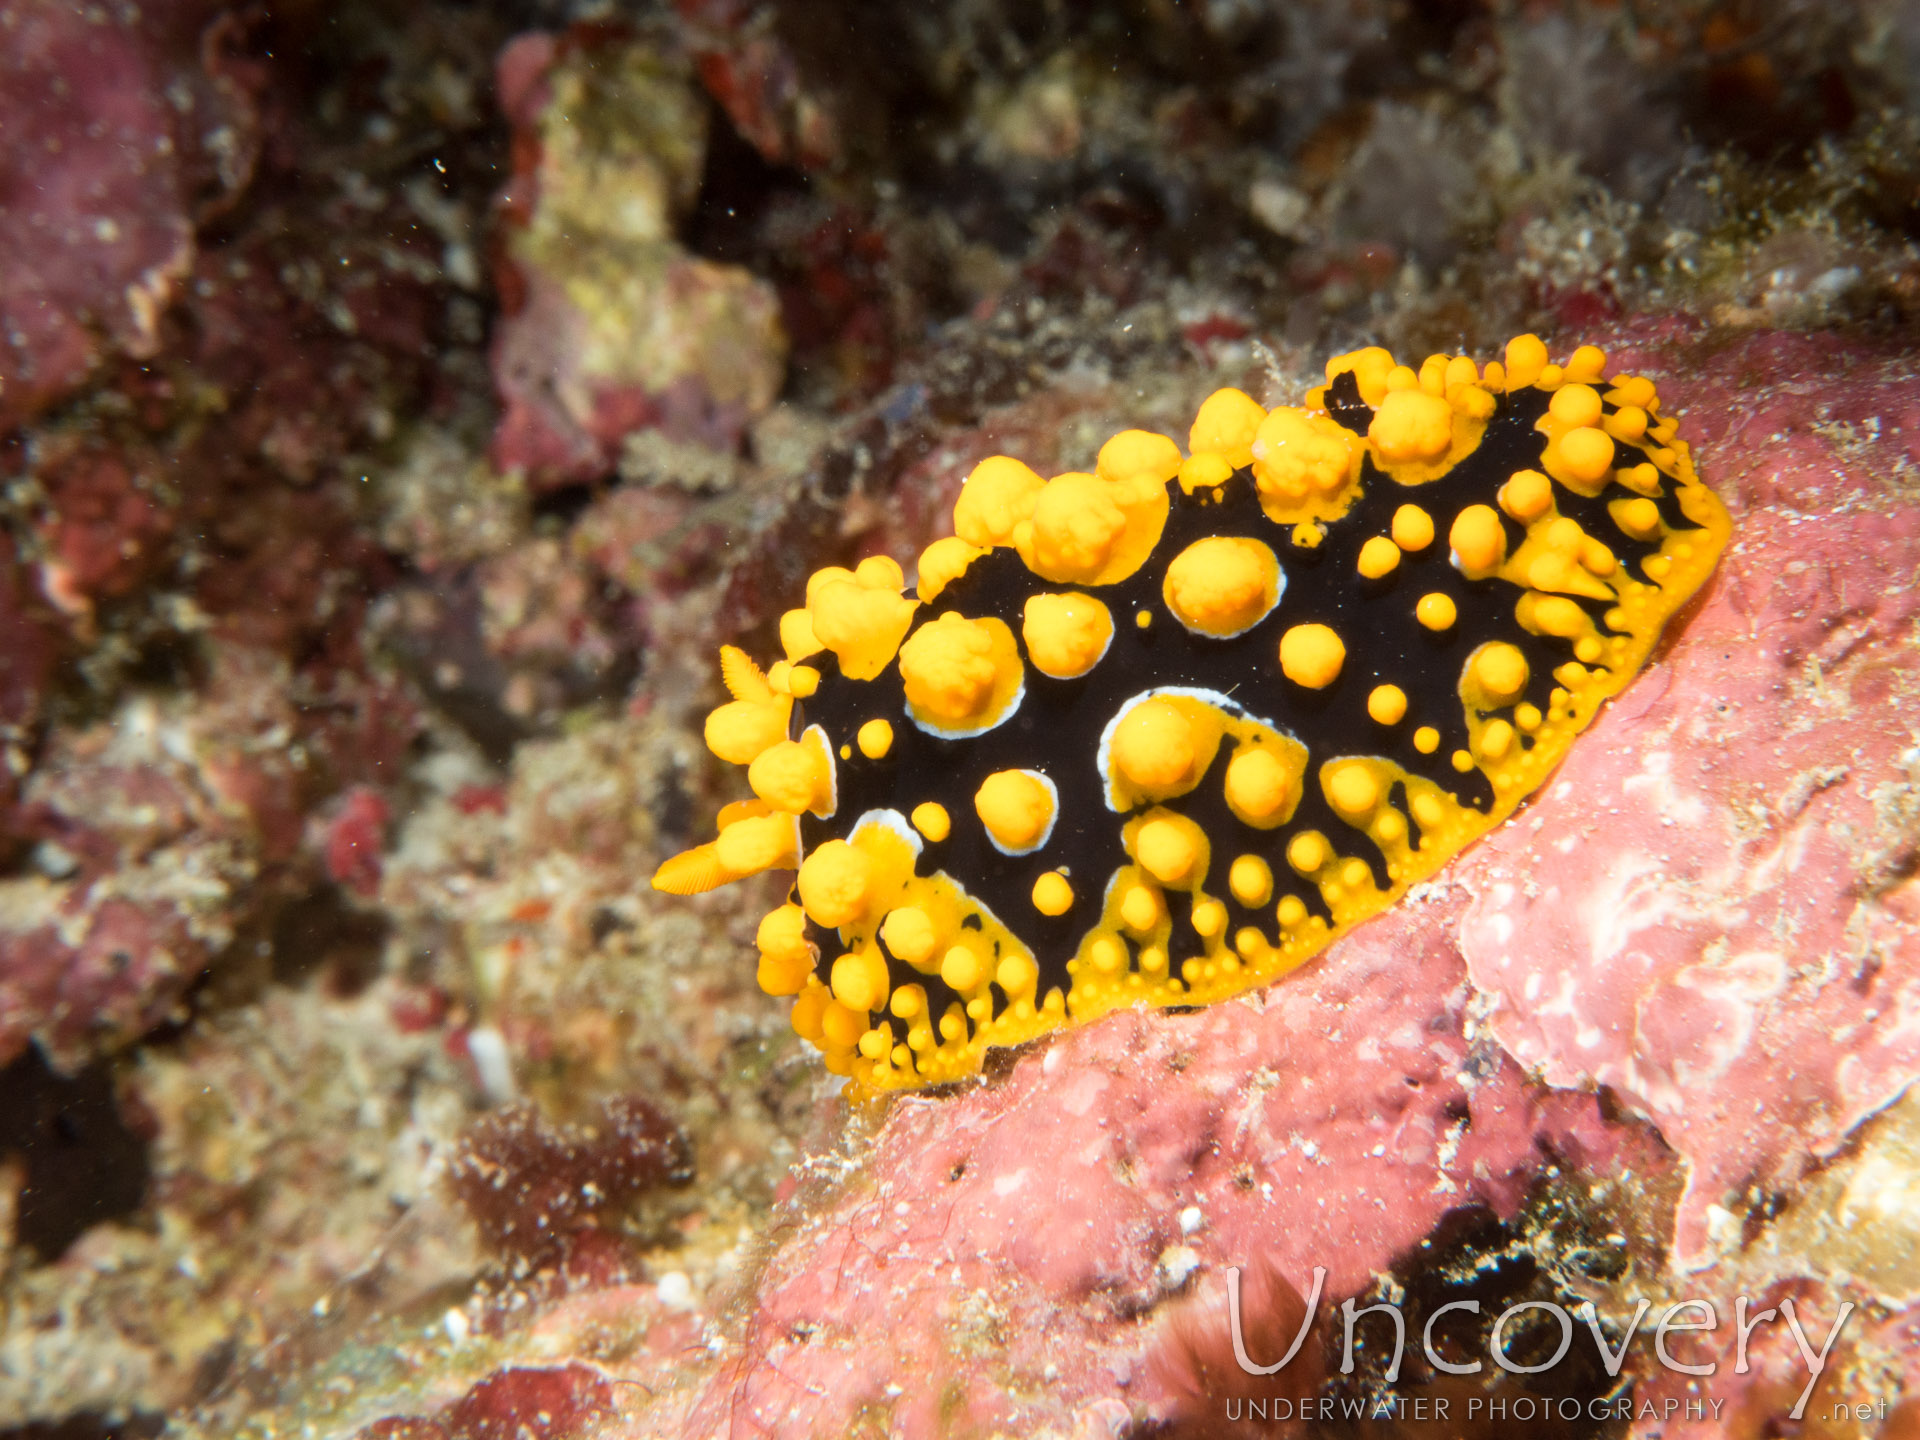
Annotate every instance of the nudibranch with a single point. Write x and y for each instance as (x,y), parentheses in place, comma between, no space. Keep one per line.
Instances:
(1159,733)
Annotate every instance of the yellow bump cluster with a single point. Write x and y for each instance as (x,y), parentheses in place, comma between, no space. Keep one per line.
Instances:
(1339,672)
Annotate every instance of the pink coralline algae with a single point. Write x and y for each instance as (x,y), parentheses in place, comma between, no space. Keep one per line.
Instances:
(355,837)
(117,142)
(1713,913)
(520,1402)
(989,1265)
(610,325)
(90,195)
(156,835)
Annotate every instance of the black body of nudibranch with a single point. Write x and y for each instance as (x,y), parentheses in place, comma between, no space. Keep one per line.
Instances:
(1159,733)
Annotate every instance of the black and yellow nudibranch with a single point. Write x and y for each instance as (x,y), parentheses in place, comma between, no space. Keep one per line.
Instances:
(1159,733)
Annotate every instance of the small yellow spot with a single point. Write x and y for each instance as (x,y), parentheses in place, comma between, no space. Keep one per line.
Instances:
(1307,851)
(1354,874)
(1390,828)
(1387,704)
(1478,539)
(932,821)
(1528,717)
(1428,810)
(1052,894)
(1290,912)
(1209,919)
(1587,649)
(1586,454)
(1378,557)
(1251,880)
(875,738)
(1657,567)
(846,752)
(1066,634)
(1412,528)
(1222,585)
(1017,807)
(909,934)
(1108,955)
(1411,425)
(876,1043)
(962,968)
(1496,739)
(1426,739)
(1352,790)
(1527,495)
(1501,670)
(1166,851)
(1140,908)
(802,681)
(1143,619)
(1575,405)
(1311,656)
(1436,611)
(1462,761)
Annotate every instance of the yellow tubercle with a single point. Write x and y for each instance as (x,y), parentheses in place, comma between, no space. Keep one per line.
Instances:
(1312,655)
(1225,426)
(1222,585)
(1306,467)
(1018,808)
(1085,530)
(998,495)
(962,676)
(860,615)
(942,563)
(1066,635)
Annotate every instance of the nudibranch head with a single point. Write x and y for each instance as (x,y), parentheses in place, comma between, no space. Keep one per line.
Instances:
(1362,630)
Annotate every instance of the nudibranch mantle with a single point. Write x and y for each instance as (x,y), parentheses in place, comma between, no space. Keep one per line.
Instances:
(1159,733)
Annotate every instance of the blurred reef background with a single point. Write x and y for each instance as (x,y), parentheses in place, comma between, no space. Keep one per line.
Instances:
(400,403)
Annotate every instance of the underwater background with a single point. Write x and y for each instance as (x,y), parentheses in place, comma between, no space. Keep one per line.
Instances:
(400,406)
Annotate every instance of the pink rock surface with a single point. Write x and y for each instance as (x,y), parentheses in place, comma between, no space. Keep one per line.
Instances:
(90,198)
(161,831)
(1020,1229)
(1706,912)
